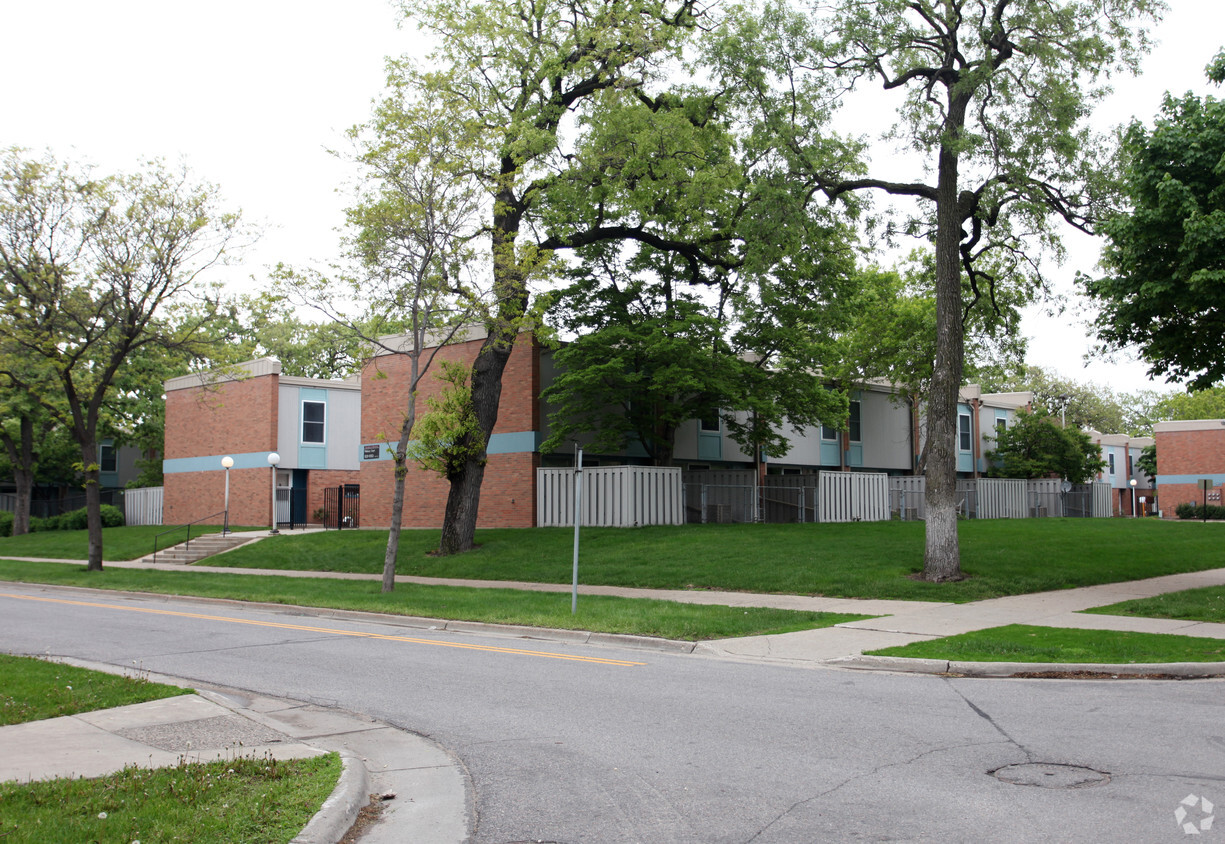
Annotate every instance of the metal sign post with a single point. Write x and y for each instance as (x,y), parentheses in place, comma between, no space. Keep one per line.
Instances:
(578,500)
(1205,484)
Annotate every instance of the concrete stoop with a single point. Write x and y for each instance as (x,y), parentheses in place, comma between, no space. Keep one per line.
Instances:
(201,547)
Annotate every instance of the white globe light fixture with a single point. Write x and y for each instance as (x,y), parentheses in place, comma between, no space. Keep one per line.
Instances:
(227,463)
(1133,497)
(274,460)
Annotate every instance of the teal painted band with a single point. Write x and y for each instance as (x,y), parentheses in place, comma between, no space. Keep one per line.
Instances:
(1164,480)
(519,442)
(212,463)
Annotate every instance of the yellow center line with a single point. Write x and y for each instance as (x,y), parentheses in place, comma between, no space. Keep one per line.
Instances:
(330,630)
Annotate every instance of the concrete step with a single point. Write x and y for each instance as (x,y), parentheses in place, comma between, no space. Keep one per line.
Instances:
(201,547)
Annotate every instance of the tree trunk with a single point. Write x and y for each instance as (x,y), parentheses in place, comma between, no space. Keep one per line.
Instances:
(21,455)
(942,554)
(93,503)
(464,496)
(397,514)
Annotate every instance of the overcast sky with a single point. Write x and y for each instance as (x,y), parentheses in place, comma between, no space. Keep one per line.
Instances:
(251,94)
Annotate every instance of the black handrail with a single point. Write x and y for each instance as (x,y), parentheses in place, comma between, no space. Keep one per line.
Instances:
(180,527)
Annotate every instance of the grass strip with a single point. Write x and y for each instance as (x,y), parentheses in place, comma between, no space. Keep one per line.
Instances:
(598,613)
(1023,643)
(32,689)
(227,802)
(857,560)
(119,543)
(1204,604)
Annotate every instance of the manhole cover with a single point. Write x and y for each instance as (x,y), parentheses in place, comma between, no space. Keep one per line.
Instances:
(1051,775)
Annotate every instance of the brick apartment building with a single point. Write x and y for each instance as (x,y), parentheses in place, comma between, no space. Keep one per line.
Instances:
(1188,452)
(331,435)
(332,438)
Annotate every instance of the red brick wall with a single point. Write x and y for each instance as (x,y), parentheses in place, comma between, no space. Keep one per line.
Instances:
(189,496)
(508,494)
(1199,453)
(231,417)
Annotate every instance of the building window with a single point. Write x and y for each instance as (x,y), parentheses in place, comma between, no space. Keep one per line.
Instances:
(828,433)
(1001,425)
(1131,469)
(855,424)
(314,415)
(709,423)
(963,431)
(1110,461)
(106,458)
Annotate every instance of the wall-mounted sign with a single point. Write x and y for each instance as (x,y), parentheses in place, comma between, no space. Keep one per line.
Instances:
(370,452)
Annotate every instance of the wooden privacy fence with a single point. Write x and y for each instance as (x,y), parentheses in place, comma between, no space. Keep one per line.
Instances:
(853,496)
(1005,498)
(613,496)
(143,506)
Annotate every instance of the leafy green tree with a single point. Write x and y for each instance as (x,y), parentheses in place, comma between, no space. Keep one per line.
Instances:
(1037,446)
(654,350)
(409,238)
(92,267)
(1165,287)
(573,137)
(1078,404)
(894,333)
(1197,404)
(995,94)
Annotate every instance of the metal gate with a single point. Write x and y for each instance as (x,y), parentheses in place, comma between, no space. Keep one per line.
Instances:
(342,506)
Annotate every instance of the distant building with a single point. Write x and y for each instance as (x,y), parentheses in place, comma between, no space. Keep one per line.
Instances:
(1188,452)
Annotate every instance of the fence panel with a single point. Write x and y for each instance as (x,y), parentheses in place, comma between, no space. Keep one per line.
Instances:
(790,498)
(853,496)
(1045,497)
(143,506)
(1103,501)
(1002,498)
(907,496)
(613,496)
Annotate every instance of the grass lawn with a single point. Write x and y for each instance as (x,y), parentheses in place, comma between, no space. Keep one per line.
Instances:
(121,543)
(32,689)
(666,619)
(1206,604)
(858,560)
(226,802)
(1021,643)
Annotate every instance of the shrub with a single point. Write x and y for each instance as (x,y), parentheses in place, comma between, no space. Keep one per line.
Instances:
(6,523)
(1187,510)
(75,520)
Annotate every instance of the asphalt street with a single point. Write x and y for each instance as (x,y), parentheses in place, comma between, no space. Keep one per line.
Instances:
(578,743)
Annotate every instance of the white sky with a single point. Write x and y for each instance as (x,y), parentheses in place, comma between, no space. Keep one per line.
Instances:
(252,93)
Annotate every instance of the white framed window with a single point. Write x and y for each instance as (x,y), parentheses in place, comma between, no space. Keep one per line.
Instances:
(963,432)
(314,422)
(710,423)
(1110,461)
(855,422)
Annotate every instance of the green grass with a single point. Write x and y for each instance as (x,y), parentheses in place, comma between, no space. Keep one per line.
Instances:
(227,802)
(666,619)
(33,689)
(1206,604)
(1022,643)
(859,560)
(120,543)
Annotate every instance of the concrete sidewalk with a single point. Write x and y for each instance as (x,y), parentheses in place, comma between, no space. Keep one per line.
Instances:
(430,788)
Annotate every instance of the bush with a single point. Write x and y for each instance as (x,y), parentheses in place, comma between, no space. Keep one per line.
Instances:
(6,523)
(1187,510)
(75,520)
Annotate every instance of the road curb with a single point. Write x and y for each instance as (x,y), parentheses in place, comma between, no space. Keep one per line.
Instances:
(897,664)
(339,812)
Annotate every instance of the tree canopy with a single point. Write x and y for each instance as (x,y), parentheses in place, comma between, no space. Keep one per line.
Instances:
(1037,446)
(1164,291)
(94,269)
(994,95)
